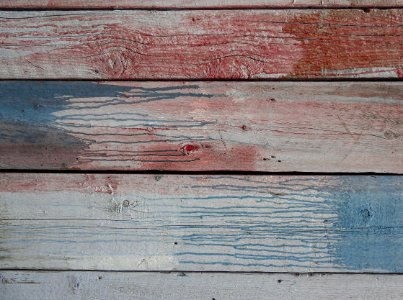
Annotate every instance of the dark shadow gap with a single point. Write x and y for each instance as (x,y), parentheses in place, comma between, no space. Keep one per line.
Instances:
(366,8)
(211,172)
(341,79)
(181,272)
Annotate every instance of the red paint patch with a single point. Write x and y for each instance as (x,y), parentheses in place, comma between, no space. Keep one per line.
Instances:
(343,40)
(203,157)
(139,49)
(189,148)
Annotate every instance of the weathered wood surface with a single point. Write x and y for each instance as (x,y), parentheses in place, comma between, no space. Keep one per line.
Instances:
(114,285)
(226,44)
(201,223)
(247,126)
(121,4)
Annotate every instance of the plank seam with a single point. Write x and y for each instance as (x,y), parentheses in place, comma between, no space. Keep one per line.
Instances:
(168,172)
(365,8)
(317,80)
(297,274)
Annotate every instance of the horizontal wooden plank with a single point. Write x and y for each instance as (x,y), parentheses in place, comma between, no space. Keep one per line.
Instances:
(122,4)
(226,44)
(114,285)
(238,126)
(201,223)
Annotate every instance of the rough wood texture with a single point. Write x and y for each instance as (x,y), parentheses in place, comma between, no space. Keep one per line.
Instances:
(102,4)
(201,44)
(111,285)
(199,223)
(308,127)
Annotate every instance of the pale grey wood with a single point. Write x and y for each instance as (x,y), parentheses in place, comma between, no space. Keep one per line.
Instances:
(200,223)
(114,285)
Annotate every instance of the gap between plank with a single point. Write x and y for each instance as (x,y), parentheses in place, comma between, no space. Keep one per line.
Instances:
(339,79)
(168,172)
(297,274)
(257,7)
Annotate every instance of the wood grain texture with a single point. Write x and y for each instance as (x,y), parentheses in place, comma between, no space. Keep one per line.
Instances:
(225,44)
(119,4)
(242,126)
(201,223)
(149,286)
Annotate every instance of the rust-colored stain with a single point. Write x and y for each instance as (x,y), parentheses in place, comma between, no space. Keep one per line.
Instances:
(348,39)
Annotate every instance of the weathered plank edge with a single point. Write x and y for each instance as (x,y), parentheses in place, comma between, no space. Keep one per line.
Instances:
(207,4)
(128,285)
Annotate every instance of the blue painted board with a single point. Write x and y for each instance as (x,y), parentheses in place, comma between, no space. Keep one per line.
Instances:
(202,223)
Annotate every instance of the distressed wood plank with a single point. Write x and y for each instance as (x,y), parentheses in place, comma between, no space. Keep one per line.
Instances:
(111,285)
(225,44)
(201,223)
(242,126)
(122,4)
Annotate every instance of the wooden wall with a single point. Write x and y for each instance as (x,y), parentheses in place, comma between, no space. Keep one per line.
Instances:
(201,150)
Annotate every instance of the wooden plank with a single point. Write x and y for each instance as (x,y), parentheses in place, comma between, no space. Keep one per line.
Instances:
(112,285)
(129,4)
(201,223)
(226,44)
(244,126)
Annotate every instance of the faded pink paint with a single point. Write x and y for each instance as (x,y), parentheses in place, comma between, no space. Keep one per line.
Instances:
(204,156)
(160,184)
(87,183)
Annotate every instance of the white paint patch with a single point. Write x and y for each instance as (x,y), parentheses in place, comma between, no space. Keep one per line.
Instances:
(275,75)
(381,72)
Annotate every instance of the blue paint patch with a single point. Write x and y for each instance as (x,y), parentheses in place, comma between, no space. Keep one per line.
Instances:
(343,222)
(29,137)
(370,222)
(35,102)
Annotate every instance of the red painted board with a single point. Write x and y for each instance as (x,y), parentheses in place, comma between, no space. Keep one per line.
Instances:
(201,44)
